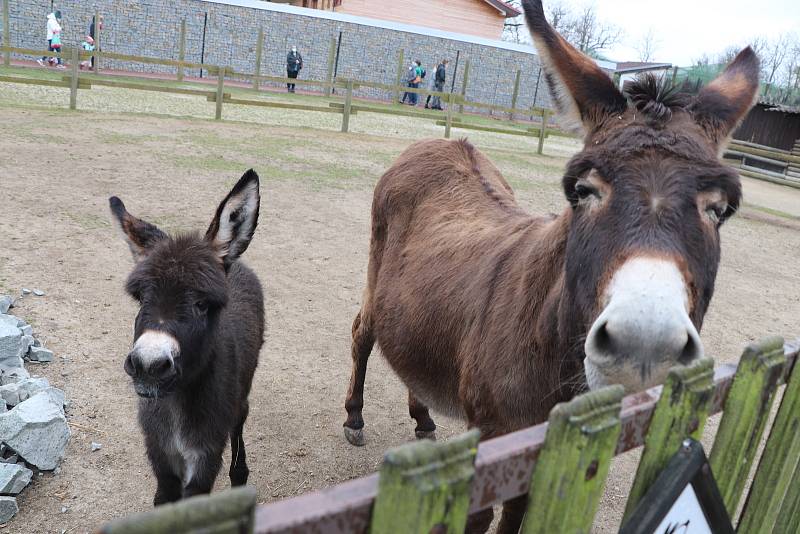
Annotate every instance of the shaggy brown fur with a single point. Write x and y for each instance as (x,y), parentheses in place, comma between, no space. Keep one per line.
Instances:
(483,309)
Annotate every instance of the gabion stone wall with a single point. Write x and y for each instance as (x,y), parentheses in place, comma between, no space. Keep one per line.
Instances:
(225,33)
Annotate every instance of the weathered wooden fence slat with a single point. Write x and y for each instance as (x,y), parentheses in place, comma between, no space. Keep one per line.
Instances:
(348,107)
(73,82)
(789,514)
(425,486)
(228,512)
(746,412)
(681,413)
(777,466)
(6,33)
(259,52)
(571,470)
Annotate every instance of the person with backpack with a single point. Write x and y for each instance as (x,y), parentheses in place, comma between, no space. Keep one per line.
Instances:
(294,62)
(53,40)
(411,75)
(438,85)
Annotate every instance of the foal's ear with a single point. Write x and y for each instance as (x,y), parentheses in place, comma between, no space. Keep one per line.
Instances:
(236,219)
(140,235)
(583,93)
(724,102)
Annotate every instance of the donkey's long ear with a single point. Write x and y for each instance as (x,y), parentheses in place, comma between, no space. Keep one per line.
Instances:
(583,93)
(140,235)
(235,221)
(722,104)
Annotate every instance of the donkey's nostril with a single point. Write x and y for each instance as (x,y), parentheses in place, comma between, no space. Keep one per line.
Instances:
(692,351)
(160,368)
(130,366)
(602,339)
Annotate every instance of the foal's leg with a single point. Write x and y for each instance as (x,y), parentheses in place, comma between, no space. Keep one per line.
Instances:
(426,428)
(363,339)
(205,473)
(169,487)
(239,471)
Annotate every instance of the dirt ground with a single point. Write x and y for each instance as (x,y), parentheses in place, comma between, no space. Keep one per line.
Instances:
(57,170)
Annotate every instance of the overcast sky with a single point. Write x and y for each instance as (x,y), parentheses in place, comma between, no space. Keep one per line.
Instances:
(685,29)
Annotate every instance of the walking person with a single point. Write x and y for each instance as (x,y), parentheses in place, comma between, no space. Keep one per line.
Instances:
(294,62)
(53,39)
(94,27)
(411,75)
(438,84)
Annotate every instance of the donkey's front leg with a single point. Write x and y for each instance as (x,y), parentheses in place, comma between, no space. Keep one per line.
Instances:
(169,487)
(201,472)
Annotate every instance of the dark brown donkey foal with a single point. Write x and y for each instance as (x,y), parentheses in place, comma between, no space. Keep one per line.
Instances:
(196,342)
(495,315)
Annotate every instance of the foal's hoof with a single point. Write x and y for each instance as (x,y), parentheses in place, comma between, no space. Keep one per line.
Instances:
(425,434)
(355,436)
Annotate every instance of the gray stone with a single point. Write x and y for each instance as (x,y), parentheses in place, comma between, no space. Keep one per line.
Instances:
(26,291)
(27,330)
(12,375)
(38,292)
(14,478)
(6,302)
(8,508)
(17,392)
(96,446)
(10,460)
(11,343)
(40,354)
(37,429)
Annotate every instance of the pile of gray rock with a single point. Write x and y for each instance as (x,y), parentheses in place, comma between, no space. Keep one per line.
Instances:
(33,426)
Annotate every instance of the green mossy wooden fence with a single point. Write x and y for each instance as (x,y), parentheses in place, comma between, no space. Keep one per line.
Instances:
(426,487)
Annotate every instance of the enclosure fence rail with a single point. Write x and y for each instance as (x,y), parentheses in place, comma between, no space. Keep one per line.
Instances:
(449,119)
(562,464)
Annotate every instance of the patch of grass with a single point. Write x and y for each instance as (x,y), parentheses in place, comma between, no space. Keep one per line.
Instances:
(88,221)
(205,163)
(772,211)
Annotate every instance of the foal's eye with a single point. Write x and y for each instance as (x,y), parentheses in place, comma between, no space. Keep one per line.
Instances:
(201,306)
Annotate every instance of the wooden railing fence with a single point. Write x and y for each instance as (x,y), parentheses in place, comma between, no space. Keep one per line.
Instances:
(453,117)
(742,154)
(562,465)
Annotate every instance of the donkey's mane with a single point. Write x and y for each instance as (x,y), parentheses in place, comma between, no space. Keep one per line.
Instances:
(656,98)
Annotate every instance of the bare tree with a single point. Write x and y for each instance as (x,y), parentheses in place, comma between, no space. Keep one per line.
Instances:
(589,34)
(583,29)
(773,57)
(647,46)
(514,29)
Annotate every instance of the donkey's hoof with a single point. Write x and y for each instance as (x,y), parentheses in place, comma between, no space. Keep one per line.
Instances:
(425,434)
(355,436)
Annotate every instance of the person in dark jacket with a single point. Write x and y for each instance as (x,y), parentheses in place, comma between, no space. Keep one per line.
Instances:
(93,27)
(438,85)
(294,62)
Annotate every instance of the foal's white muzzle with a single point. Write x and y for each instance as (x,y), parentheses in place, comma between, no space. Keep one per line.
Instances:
(644,329)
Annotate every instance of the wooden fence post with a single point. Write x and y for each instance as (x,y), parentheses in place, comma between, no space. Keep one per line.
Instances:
(464,86)
(182,49)
(543,131)
(746,412)
(73,81)
(681,413)
(348,106)
(220,93)
(6,33)
(226,511)
(515,95)
(789,515)
(259,52)
(424,487)
(449,117)
(400,70)
(97,32)
(331,61)
(571,471)
(768,496)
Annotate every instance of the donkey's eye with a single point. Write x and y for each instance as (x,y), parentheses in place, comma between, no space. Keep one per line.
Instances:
(201,306)
(715,212)
(584,191)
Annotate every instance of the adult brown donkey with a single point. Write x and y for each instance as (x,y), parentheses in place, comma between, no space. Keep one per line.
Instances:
(495,315)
